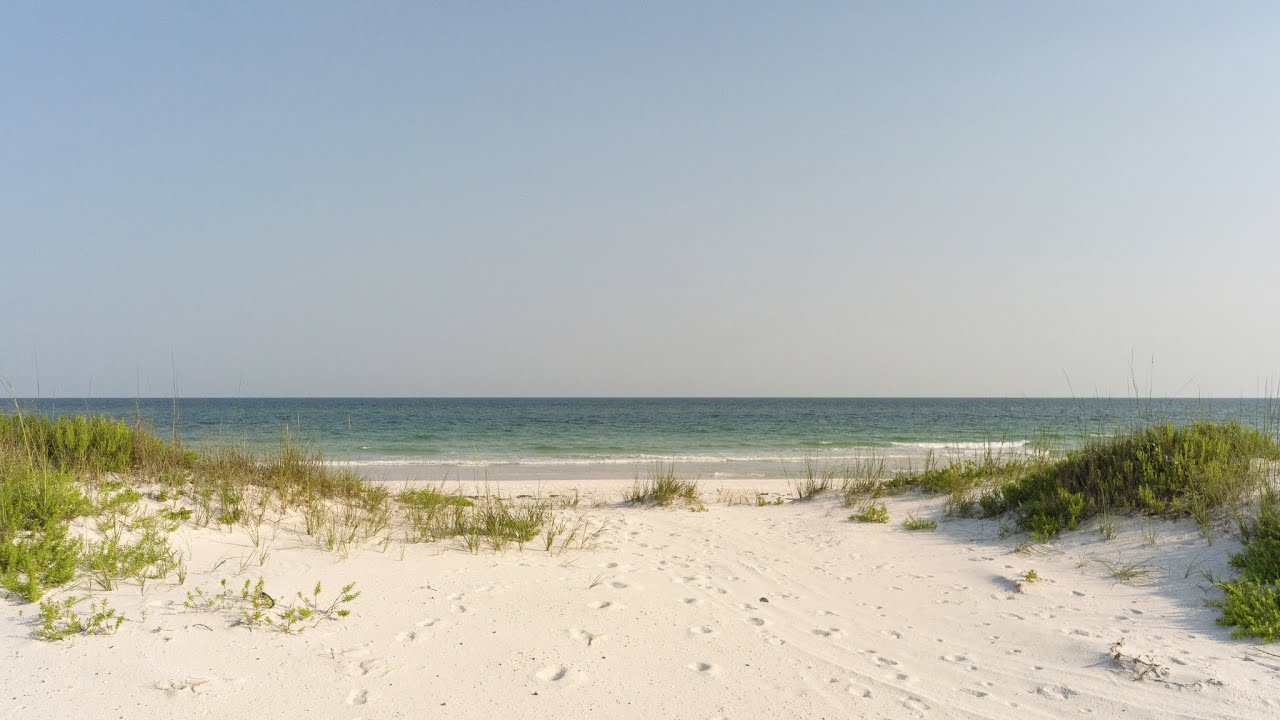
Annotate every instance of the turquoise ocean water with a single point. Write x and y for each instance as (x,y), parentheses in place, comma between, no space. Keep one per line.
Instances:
(556,438)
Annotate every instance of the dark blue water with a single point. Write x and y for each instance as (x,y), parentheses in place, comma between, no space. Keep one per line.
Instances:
(552,437)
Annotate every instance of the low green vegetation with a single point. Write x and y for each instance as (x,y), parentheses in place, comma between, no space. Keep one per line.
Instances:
(59,620)
(872,513)
(1164,470)
(1251,602)
(252,606)
(94,501)
(915,523)
(1206,470)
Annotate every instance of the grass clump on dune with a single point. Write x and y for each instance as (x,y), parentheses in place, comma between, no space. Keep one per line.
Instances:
(1165,470)
(79,443)
(814,482)
(663,487)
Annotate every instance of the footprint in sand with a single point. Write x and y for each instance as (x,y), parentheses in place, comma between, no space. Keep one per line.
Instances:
(690,601)
(758,622)
(585,636)
(605,605)
(457,609)
(552,673)
(1055,692)
(829,632)
(619,585)
(357,697)
(915,704)
(374,666)
(704,668)
(702,630)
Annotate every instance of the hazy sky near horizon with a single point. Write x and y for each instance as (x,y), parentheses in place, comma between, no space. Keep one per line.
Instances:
(906,199)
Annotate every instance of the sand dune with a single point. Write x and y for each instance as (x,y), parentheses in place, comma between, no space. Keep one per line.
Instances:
(786,611)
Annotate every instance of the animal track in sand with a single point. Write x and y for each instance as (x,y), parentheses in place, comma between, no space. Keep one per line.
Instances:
(691,601)
(828,632)
(357,697)
(757,621)
(457,609)
(704,668)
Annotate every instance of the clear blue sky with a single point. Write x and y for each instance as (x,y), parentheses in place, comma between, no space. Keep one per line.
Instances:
(583,198)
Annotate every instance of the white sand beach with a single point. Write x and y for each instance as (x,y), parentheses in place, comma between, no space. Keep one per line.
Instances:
(787,611)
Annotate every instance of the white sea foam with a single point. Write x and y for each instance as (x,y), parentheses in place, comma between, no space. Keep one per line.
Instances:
(858,454)
(955,445)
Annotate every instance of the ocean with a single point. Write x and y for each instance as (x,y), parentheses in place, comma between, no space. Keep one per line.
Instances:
(564,438)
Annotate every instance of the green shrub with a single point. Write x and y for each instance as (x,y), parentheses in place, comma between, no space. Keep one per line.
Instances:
(1252,608)
(1251,602)
(915,523)
(1162,469)
(872,514)
(35,506)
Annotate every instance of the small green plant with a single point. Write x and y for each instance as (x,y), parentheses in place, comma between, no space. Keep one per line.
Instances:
(872,514)
(1127,572)
(914,523)
(307,611)
(254,606)
(1031,576)
(59,620)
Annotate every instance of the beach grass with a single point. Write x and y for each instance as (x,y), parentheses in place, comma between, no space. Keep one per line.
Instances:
(128,490)
(1163,470)
(663,487)
(815,480)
